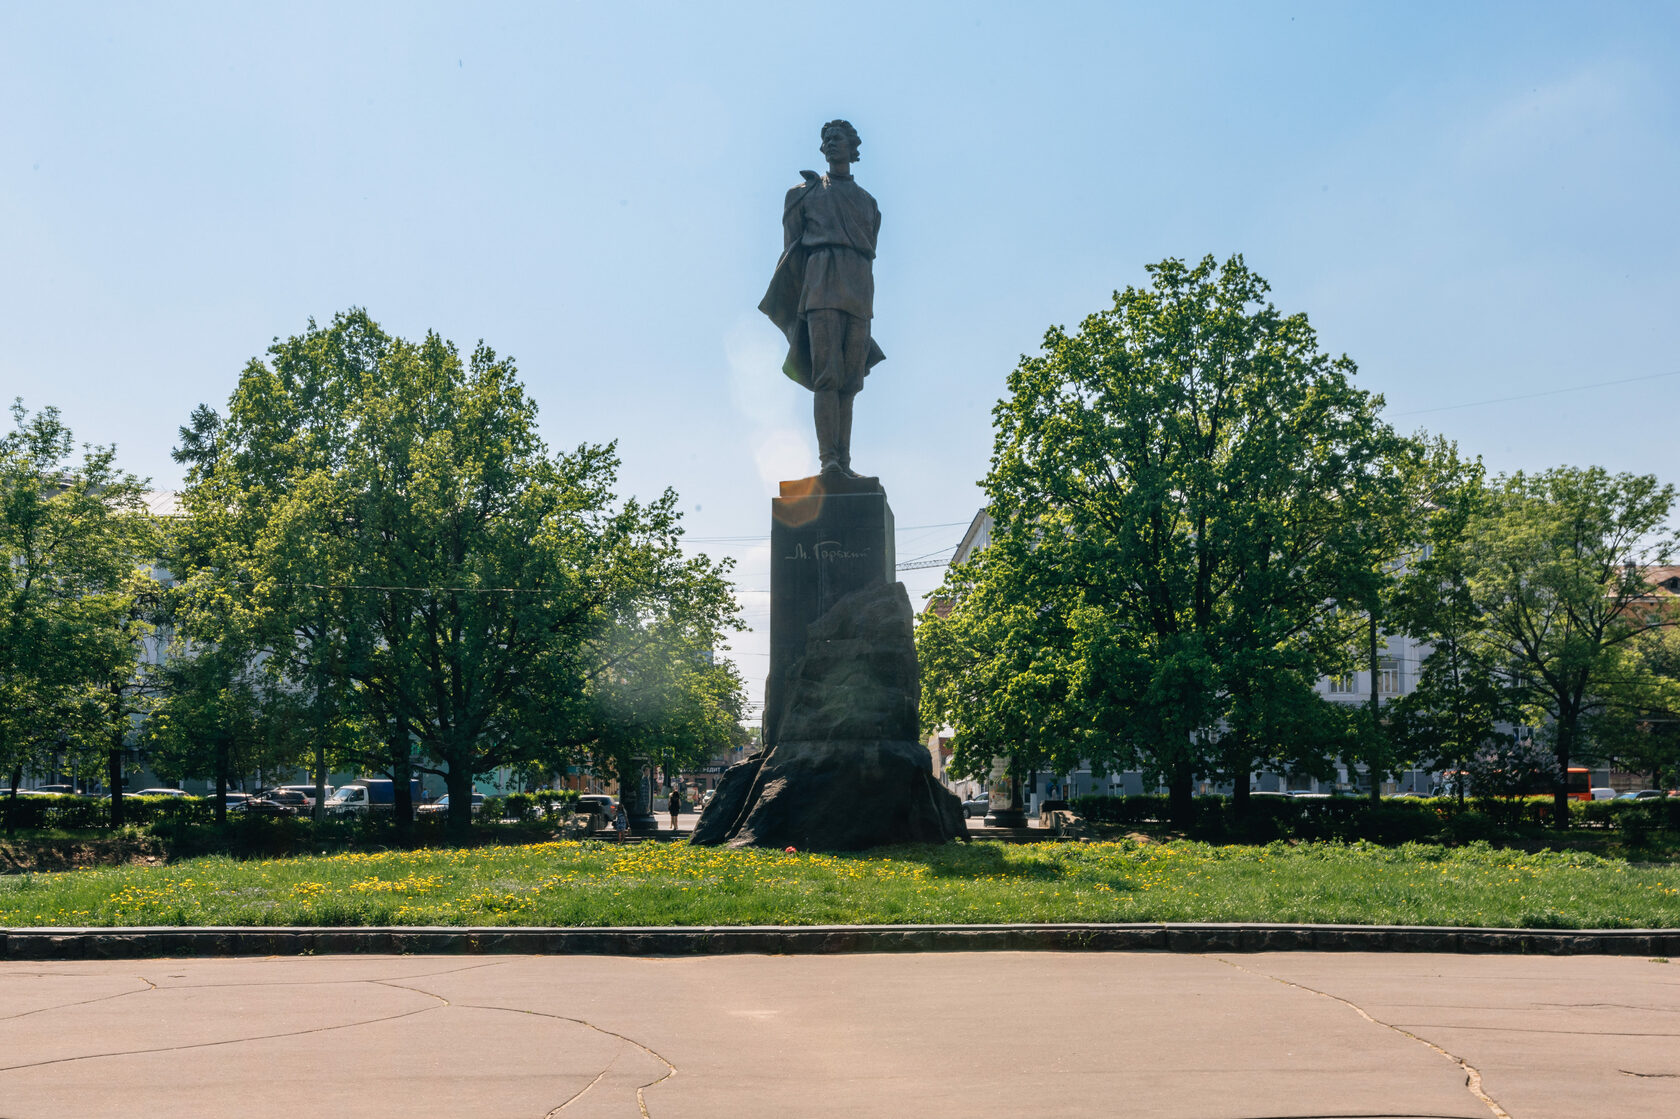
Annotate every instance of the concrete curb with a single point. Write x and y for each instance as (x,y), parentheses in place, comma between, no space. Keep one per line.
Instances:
(135,943)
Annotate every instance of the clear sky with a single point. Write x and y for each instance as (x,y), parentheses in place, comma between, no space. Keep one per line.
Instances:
(1473,201)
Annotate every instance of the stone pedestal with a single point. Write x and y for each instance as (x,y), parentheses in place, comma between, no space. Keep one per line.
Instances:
(829,536)
(843,767)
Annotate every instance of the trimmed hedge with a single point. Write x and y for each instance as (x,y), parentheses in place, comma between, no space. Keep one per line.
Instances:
(95,812)
(1387,821)
(80,813)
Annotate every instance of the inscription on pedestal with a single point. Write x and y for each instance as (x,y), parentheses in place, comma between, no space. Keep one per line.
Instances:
(828,538)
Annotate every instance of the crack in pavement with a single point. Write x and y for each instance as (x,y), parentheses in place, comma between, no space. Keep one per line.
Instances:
(575,1096)
(1650,1075)
(1472,1075)
(327,982)
(230,1040)
(149,986)
(641,1097)
(641,1100)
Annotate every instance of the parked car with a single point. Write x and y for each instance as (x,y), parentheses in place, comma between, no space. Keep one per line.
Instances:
(440,806)
(977,806)
(236,801)
(599,803)
(278,802)
(57,790)
(1641,794)
(1599,792)
(308,792)
(161,793)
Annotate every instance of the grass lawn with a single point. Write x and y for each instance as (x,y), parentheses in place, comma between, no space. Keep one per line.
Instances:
(584,884)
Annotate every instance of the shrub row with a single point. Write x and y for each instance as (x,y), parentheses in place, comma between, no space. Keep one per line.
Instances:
(95,812)
(1387,821)
(75,812)
(548,804)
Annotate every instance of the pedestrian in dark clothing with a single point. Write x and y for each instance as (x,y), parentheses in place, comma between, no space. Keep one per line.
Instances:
(675,806)
(621,823)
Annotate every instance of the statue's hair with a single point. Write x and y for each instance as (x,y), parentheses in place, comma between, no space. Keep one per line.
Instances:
(844,126)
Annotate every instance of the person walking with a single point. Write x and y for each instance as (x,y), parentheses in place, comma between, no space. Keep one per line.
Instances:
(621,822)
(675,806)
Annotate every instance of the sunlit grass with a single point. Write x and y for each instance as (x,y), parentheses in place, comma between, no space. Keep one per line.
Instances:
(597,884)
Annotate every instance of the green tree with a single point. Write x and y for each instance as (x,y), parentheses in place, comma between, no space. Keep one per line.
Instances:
(1461,705)
(71,534)
(1182,491)
(1556,569)
(124,678)
(385,519)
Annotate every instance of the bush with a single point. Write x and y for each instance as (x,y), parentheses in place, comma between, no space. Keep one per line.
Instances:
(1126,812)
(79,813)
(545,804)
(1470,827)
(1636,824)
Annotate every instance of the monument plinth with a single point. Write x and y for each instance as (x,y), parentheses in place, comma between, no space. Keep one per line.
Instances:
(829,536)
(842,767)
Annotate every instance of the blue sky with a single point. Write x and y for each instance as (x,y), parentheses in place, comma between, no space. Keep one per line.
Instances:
(1473,201)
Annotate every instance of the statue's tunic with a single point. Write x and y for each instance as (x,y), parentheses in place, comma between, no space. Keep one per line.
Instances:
(829,226)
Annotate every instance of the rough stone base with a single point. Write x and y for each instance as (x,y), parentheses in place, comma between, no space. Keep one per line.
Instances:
(842,796)
(717,820)
(842,770)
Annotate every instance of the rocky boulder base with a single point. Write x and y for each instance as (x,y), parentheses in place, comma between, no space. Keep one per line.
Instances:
(847,772)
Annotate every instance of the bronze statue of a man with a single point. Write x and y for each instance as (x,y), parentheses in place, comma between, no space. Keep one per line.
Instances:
(822,294)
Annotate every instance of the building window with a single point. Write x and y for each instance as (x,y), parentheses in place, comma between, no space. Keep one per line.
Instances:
(1343,685)
(1388,676)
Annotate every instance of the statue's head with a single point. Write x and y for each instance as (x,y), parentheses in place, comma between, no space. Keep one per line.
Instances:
(840,142)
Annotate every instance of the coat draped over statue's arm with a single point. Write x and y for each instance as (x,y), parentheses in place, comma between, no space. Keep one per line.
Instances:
(782,299)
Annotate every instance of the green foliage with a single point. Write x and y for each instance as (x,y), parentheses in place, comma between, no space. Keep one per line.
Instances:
(69,812)
(548,804)
(72,534)
(1555,568)
(381,518)
(1265,819)
(1443,819)
(1181,493)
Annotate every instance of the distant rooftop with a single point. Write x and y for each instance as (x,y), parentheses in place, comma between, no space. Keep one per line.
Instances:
(163,503)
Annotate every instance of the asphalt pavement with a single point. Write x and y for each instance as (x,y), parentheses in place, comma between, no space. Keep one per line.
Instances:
(1215,1036)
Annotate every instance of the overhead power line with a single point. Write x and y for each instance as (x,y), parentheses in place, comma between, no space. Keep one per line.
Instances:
(1536,395)
(766,536)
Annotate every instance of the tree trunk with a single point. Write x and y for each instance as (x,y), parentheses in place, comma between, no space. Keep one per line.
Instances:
(1239,796)
(318,813)
(460,785)
(1560,791)
(114,775)
(113,760)
(402,793)
(221,782)
(11,816)
(1371,752)
(1180,807)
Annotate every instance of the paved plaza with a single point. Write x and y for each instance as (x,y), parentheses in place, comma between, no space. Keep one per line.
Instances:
(928,1035)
